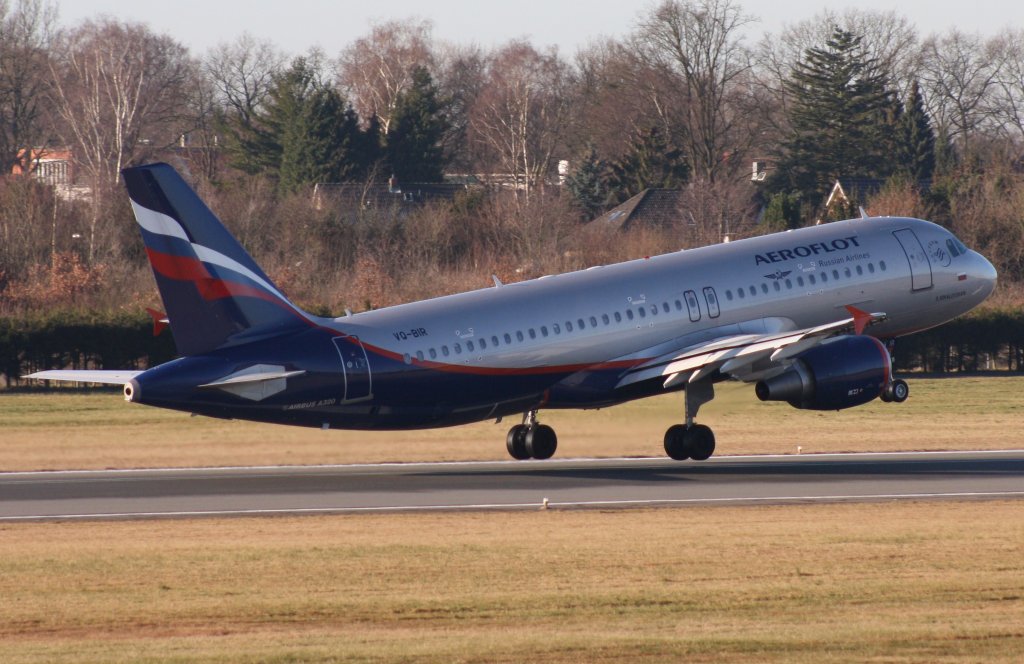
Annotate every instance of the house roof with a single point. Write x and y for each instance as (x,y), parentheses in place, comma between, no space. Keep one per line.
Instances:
(652,207)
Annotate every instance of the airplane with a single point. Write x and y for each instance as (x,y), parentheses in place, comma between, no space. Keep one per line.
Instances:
(807,315)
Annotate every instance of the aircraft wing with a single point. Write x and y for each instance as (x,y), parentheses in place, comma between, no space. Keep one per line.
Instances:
(747,357)
(86,376)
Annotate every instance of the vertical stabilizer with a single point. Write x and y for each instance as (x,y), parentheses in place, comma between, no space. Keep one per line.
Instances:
(214,293)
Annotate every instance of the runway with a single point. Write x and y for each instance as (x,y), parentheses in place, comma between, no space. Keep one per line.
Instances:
(556,484)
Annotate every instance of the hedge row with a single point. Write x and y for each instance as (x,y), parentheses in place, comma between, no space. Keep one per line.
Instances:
(983,341)
(80,340)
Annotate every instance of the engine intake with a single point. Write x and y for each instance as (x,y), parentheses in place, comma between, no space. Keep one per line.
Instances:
(841,373)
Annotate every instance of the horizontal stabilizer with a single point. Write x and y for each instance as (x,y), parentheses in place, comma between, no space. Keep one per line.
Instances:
(86,376)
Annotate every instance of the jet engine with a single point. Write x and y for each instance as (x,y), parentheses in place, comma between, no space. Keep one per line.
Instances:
(841,373)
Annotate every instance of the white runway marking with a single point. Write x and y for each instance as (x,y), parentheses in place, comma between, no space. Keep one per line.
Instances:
(520,506)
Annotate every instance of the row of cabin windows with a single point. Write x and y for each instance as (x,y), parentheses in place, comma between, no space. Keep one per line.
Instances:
(811,280)
(543,331)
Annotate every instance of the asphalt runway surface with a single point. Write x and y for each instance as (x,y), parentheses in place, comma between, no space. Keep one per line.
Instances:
(509,485)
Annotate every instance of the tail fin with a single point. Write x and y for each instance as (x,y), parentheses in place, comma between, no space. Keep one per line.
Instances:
(214,293)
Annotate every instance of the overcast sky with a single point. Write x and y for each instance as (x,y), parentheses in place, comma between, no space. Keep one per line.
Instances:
(297,25)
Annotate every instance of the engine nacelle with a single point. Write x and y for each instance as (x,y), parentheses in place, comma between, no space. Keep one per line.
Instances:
(841,373)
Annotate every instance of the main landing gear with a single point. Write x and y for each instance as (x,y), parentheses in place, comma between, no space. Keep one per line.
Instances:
(692,441)
(531,440)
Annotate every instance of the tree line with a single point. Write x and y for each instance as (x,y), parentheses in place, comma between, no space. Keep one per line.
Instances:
(929,125)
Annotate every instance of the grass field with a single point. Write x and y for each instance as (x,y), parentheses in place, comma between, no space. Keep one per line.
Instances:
(62,430)
(903,582)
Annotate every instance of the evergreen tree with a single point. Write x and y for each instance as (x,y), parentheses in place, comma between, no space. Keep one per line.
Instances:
(417,128)
(306,134)
(838,118)
(651,162)
(917,149)
(587,185)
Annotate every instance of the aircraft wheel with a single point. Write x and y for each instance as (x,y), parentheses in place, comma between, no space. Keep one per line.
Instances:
(700,441)
(675,443)
(541,441)
(900,390)
(515,442)
(886,394)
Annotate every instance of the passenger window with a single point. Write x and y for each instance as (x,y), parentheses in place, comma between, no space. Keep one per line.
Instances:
(629,314)
(871,268)
(654,310)
(679,305)
(458,348)
(860,270)
(543,330)
(665,307)
(789,284)
(642,312)
(799,281)
(433,354)
(618,317)
(444,351)
(508,338)
(568,326)
(419,355)
(483,343)
(580,324)
(811,279)
(593,322)
(764,288)
(835,274)
(470,347)
(847,272)
(494,341)
(532,333)
(557,328)
(728,295)
(519,335)
(881,264)
(742,293)
(605,319)
(824,277)
(778,286)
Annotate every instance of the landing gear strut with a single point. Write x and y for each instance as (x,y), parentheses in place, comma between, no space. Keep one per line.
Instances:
(531,440)
(692,441)
(897,390)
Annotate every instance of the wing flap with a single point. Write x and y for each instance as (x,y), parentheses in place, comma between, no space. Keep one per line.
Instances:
(735,354)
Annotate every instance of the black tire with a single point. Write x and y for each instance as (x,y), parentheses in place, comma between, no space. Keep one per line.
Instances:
(515,442)
(900,390)
(700,442)
(886,394)
(541,442)
(675,443)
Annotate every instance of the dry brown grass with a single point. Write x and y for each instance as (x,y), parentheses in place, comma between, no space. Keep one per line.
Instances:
(903,582)
(74,430)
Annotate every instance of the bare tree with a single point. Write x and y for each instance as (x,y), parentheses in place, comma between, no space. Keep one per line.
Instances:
(520,113)
(242,73)
(960,74)
(26,38)
(117,87)
(699,43)
(461,72)
(375,69)
(1009,96)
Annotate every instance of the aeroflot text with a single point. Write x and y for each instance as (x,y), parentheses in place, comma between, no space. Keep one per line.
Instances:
(805,250)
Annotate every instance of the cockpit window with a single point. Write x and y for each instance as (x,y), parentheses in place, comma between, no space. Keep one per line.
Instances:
(955,246)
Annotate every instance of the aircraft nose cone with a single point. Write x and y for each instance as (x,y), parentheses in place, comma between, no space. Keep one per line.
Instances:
(983,273)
